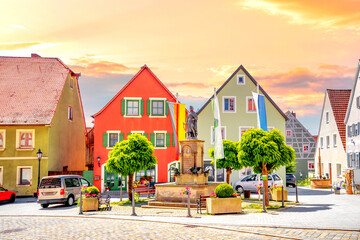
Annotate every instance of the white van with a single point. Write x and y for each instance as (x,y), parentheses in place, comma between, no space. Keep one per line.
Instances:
(60,189)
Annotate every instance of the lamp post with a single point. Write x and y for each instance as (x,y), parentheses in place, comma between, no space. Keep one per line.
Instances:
(98,159)
(39,155)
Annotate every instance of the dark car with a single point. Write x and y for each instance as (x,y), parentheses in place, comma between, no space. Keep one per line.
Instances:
(290,180)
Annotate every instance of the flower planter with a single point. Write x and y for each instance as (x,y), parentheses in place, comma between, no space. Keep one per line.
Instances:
(337,191)
(320,183)
(223,205)
(90,204)
(247,194)
(276,195)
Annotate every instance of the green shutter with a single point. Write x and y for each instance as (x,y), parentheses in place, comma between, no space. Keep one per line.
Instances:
(123,106)
(168,139)
(152,138)
(166,107)
(148,107)
(145,135)
(121,137)
(141,107)
(105,139)
(173,140)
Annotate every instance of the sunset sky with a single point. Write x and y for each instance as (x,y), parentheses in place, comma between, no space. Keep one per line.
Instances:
(295,48)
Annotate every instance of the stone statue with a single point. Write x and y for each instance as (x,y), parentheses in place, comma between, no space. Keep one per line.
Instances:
(191,122)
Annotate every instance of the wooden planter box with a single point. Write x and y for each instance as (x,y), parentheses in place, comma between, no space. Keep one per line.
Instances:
(337,191)
(276,195)
(90,204)
(223,205)
(320,183)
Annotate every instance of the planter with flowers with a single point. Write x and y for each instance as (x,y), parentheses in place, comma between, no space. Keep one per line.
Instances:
(337,190)
(224,200)
(276,193)
(90,201)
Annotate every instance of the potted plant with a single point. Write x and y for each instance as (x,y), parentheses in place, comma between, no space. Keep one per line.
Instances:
(276,193)
(224,200)
(337,190)
(90,201)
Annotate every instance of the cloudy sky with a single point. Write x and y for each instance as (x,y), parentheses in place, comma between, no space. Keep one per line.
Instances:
(294,48)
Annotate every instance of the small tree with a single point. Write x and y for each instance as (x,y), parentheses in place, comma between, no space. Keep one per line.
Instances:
(291,167)
(131,156)
(264,152)
(230,162)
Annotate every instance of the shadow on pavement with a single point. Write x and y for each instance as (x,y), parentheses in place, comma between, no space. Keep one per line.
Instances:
(309,191)
(309,208)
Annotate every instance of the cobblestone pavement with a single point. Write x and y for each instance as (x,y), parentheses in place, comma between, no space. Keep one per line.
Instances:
(95,228)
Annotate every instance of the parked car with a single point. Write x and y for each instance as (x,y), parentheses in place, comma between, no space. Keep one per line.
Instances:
(60,189)
(6,195)
(290,180)
(251,181)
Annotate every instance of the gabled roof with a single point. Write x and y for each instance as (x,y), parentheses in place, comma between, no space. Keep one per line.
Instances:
(254,81)
(291,115)
(30,89)
(143,68)
(352,93)
(339,99)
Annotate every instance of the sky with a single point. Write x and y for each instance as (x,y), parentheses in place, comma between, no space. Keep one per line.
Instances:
(295,49)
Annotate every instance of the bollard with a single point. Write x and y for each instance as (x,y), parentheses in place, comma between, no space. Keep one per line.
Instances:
(282,195)
(81,212)
(121,193)
(188,204)
(296,190)
(133,203)
(149,190)
(263,191)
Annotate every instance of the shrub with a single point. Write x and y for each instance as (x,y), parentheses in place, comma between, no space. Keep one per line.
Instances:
(92,190)
(224,190)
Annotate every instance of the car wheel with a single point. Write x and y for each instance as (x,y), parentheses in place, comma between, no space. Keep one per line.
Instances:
(12,198)
(70,201)
(239,189)
(45,205)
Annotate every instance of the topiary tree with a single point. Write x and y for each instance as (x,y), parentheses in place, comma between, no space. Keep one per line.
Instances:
(224,190)
(264,152)
(131,156)
(230,162)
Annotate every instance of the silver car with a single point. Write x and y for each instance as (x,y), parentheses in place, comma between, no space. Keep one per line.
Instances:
(60,189)
(251,181)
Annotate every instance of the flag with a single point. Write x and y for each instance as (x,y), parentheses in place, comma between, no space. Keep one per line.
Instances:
(172,115)
(261,111)
(219,147)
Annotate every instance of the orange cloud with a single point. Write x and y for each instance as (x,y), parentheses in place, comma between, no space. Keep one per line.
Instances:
(16,46)
(324,13)
(187,84)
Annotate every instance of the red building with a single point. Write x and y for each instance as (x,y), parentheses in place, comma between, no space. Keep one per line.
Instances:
(141,106)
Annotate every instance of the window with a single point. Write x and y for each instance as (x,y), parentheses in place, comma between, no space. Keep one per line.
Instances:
(349,131)
(159,139)
(2,139)
(157,107)
(71,82)
(223,133)
(242,130)
(338,169)
(288,133)
(327,141)
(229,104)
(240,79)
(305,148)
(149,173)
(25,139)
(70,113)
(132,107)
(322,142)
(334,140)
(250,105)
(24,176)
(113,139)
(327,117)
(72,182)
(358,102)
(311,165)
(1,175)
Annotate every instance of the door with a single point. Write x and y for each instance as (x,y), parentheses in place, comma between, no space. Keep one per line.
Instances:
(114,181)
(149,174)
(171,172)
(330,170)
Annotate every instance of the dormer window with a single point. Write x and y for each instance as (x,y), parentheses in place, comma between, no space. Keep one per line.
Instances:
(327,117)
(240,79)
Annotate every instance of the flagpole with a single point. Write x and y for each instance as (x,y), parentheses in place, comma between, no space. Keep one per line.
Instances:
(215,169)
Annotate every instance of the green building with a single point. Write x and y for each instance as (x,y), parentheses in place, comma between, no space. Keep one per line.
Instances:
(237,114)
(40,109)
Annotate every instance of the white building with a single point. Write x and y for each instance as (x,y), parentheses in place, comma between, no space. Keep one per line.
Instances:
(332,135)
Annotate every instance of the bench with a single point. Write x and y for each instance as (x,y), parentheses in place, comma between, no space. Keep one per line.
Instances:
(104,200)
(142,189)
(201,202)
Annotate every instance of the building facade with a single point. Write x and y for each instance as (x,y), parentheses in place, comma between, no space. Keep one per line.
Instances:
(331,144)
(40,108)
(237,114)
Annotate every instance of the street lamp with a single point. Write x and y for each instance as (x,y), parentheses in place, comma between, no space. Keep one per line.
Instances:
(98,159)
(39,155)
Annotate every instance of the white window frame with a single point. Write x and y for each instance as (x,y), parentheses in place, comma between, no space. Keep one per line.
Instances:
(18,176)
(1,175)
(177,163)
(327,116)
(247,105)
(313,162)
(151,113)
(3,131)
(240,127)
(237,79)
(290,135)
(141,132)
(155,132)
(223,104)
(335,142)
(70,113)
(18,139)
(139,106)
(303,149)
(211,133)
(327,142)
(108,136)
(321,142)
(339,176)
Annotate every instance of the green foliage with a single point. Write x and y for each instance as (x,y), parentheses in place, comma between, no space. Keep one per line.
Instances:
(230,160)
(291,167)
(92,190)
(259,149)
(224,190)
(305,181)
(131,155)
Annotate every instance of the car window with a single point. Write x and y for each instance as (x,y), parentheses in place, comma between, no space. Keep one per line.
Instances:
(84,182)
(50,183)
(276,177)
(2,189)
(245,178)
(72,182)
(251,178)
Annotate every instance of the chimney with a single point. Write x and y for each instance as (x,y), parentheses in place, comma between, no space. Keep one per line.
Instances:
(294,114)
(35,55)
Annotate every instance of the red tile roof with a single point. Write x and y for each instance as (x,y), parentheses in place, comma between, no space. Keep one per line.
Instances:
(30,88)
(339,99)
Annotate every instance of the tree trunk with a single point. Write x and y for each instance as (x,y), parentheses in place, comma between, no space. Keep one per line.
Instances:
(130,186)
(265,172)
(228,173)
